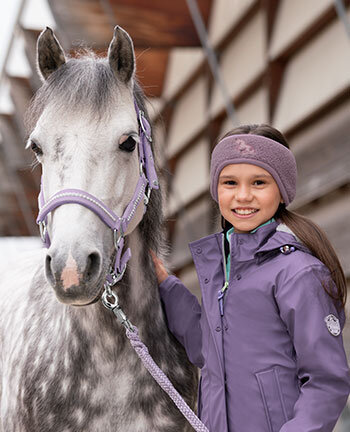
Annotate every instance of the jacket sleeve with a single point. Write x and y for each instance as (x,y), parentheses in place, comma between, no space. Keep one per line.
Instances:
(320,357)
(183,314)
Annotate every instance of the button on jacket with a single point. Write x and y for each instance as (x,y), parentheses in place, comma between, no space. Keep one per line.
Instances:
(270,355)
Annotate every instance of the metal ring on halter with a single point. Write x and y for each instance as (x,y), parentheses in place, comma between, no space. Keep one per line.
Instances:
(43,230)
(142,116)
(106,303)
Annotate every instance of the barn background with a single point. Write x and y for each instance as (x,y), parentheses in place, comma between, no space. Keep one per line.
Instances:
(283,62)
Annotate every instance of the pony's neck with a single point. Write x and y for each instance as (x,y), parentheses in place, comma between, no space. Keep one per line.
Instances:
(137,267)
(137,299)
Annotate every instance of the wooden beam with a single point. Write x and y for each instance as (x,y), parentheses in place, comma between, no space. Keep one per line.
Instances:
(157,24)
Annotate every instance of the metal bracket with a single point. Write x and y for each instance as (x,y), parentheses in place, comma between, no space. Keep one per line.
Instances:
(141,117)
(147,195)
(43,230)
(118,235)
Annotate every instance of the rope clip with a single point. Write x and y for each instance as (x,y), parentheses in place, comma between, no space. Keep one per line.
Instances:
(115,308)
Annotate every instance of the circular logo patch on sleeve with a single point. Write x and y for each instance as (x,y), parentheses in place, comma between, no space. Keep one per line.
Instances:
(333,324)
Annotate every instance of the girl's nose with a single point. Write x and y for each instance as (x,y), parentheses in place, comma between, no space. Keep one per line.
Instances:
(243,193)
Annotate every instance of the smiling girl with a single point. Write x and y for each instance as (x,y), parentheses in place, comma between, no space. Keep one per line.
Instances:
(267,336)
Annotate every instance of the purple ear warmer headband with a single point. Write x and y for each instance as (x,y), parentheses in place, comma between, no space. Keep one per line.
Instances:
(256,150)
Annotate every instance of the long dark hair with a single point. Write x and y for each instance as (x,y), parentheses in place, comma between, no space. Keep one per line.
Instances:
(310,234)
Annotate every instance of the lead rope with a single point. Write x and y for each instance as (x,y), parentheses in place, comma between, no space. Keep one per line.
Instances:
(132,334)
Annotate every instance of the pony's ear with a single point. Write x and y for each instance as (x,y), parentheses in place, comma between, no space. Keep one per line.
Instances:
(50,55)
(121,55)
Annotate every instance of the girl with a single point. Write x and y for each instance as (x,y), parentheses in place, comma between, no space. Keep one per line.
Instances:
(268,334)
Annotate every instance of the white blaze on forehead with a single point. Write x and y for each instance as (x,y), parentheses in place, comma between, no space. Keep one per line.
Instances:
(70,275)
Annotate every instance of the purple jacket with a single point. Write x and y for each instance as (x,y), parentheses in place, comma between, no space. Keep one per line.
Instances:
(270,363)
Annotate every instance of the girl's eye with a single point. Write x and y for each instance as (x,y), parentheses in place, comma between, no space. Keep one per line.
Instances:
(230,182)
(36,149)
(127,143)
(259,182)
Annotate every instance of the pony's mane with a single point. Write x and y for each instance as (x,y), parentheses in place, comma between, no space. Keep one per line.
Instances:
(88,83)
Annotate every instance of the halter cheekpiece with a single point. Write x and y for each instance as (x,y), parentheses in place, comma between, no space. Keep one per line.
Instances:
(147,181)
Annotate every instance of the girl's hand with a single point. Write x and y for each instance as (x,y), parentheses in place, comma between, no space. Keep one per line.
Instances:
(161,272)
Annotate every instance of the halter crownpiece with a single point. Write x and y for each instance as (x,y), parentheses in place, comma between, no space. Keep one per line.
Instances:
(258,150)
(148,180)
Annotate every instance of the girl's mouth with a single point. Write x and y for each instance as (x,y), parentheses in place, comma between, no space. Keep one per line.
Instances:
(244,214)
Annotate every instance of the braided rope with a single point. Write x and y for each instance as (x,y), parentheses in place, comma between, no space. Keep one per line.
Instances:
(163,380)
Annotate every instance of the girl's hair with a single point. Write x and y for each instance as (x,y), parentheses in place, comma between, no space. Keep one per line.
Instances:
(311,235)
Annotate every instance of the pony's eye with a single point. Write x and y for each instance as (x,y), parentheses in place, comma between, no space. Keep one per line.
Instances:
(36,149)
(127,143)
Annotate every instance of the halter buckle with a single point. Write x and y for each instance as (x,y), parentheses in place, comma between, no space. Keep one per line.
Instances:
(141,117)
(116,277)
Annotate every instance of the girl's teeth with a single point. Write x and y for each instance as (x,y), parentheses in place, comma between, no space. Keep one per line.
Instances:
(245,212)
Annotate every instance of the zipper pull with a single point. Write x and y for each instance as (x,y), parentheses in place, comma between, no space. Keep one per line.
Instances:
(224,288)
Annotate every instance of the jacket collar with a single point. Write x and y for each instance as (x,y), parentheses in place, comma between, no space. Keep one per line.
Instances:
(281,237)
(265,240)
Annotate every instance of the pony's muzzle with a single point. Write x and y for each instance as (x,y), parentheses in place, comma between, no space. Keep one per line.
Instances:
(74,279)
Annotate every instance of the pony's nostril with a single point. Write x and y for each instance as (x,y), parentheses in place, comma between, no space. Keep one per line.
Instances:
(92,266)
(48,269)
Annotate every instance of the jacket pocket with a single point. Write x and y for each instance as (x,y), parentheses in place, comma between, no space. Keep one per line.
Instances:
(271,394)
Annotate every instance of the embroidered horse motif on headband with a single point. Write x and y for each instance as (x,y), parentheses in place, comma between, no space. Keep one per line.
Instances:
(244,148)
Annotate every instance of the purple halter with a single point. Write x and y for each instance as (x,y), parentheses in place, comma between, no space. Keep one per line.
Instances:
(148,180)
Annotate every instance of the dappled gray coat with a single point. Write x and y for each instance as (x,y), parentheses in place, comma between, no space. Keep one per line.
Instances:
(270,363)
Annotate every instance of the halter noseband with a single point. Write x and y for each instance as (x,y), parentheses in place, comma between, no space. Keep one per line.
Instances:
(147,181)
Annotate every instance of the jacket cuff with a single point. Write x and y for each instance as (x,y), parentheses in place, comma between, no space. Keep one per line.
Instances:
(168,283)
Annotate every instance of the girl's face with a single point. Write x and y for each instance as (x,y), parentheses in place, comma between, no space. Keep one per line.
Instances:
(248,196)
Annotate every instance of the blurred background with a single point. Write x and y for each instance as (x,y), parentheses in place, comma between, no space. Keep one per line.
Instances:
(205,66)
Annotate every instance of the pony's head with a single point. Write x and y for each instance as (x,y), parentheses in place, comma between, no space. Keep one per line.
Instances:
(84,132)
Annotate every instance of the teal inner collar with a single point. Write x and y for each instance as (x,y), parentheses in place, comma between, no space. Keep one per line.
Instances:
(229,232)
(232,230)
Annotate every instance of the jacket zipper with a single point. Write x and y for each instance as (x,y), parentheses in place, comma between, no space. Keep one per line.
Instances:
(222,291)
